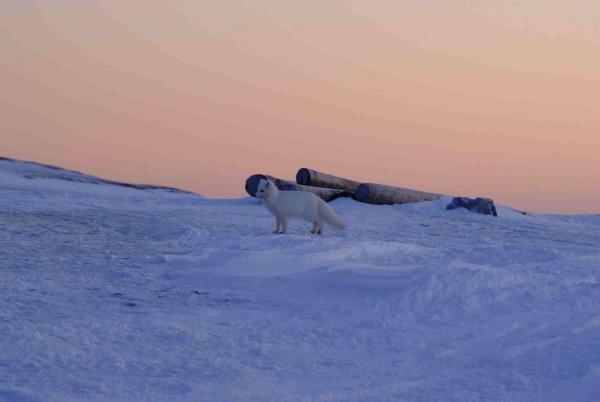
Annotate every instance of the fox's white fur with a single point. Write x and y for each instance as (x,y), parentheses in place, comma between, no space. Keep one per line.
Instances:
(300,204)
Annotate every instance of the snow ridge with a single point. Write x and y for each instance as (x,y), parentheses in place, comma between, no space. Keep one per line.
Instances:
(34,170)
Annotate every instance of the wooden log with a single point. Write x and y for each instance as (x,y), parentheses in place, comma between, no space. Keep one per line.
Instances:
(326,194)
(371,193)
(380,194)
(310,177)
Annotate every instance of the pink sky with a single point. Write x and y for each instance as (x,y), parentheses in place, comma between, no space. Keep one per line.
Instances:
(469,98)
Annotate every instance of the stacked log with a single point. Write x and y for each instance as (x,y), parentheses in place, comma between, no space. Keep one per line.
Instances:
(310,177)
(380,194)
(326,194)
(329,187)
(370,193)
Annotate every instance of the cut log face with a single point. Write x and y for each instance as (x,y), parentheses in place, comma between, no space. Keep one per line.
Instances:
(326,194)
(379,194)
(310,177)
(252,183)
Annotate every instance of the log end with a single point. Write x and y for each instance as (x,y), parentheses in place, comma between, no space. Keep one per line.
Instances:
(252,183)
(303,177)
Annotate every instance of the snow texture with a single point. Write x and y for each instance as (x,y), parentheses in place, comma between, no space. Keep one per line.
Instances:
(115,293)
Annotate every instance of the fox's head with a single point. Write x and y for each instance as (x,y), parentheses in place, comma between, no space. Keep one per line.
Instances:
(264,188)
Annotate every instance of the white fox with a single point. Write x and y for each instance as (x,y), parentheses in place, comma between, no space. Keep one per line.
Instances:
(305,205)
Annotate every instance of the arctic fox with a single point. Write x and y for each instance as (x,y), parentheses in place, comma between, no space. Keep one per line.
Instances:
(305,205)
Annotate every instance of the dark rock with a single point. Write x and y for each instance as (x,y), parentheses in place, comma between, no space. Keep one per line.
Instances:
(484,206)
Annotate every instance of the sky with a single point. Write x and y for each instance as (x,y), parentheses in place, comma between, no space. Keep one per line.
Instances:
(470,98)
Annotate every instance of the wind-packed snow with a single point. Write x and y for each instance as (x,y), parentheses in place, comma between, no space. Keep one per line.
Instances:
(111,293)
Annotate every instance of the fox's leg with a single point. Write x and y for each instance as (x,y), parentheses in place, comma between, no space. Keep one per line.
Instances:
(314,228)
(277,225)
(284,223)
(319,227)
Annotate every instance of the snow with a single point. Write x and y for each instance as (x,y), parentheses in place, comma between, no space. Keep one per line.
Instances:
(112,293)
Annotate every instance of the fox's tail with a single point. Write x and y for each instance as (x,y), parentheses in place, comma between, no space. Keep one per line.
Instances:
(329,216)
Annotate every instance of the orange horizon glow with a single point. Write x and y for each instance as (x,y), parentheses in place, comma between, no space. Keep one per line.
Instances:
(460,98)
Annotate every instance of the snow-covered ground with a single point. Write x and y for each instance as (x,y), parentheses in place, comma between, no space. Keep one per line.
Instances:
(111,293)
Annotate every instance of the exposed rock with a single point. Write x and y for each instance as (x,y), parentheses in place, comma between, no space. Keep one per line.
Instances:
(484,206)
